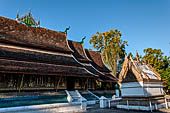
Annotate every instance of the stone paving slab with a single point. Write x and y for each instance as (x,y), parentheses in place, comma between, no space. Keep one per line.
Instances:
(90,109)
(93,111)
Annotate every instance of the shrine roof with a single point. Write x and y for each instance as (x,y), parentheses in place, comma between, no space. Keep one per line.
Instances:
(133,71)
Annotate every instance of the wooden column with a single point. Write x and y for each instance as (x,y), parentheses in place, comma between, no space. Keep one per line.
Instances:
(58,82)
(86,83)
(20,82)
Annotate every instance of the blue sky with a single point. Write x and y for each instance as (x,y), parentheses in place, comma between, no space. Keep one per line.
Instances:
(143,23)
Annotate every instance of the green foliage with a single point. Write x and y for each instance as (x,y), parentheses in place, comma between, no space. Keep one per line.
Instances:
(156,59)
(99,84)
(160,63)
(112,46)
(166,77)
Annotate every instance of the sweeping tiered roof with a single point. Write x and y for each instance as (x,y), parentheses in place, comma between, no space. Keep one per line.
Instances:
(135,70)
(97,63)
(14,33)
(80,54)
(78,51)
(30,50)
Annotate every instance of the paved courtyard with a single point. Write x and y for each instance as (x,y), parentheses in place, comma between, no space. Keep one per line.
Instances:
(93,110)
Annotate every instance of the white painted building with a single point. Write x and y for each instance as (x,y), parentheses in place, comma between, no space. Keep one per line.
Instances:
(141,84)
(139,79)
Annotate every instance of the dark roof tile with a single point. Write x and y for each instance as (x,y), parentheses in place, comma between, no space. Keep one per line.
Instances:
(97,61)
(37,56)
(78,51)
(13,32)
(14,66)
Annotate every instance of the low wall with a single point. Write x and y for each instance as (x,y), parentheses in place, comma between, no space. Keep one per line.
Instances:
(145,108)
(59,107)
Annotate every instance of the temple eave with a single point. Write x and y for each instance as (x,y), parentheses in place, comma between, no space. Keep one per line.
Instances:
(49,69)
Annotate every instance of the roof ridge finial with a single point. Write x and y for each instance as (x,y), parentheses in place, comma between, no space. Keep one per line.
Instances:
(125,55)
(131,58)
(100,50)
(17,15)
(144,60)
(137,56)
(27,19)
(82,40)
(66,30)
(29,12)
(38,21)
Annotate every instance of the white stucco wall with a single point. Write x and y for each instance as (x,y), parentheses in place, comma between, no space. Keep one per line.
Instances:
(141,89)
(153,88)
(132,89)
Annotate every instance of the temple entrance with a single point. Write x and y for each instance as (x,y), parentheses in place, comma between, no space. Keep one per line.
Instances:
(70,83)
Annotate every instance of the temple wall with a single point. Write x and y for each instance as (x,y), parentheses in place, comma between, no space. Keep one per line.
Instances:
(132,89)
(62,83)
(153,88)
(141,89)
(31,82)
(8,82)
(11,82)
(81,83)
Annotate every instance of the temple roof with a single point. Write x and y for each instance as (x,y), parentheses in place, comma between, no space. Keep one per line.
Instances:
(32,50)
(80,54)
(78,51)
(97,61)
(35,55)
(15,33)
(98,64)
(133,71)
(29,50)
(24,67)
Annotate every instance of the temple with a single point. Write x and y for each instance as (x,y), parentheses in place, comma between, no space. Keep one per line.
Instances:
(33,59)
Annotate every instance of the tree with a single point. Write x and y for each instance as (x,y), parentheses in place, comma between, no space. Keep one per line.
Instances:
(160,63)
(166,78)
(156,59)
(111,46)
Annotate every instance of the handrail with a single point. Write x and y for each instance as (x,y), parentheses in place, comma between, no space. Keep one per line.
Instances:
(93,94)
(78,93)
(69,98)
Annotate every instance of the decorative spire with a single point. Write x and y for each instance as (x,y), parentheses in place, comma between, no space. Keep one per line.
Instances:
(17,15)
(137,56)
(38,21)
(30,12)
(28,19)
(125,55)
(144,60)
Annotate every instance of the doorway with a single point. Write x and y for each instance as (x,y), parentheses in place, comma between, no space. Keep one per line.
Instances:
(70,83)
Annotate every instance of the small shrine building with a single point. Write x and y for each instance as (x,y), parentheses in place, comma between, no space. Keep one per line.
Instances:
(141,85)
